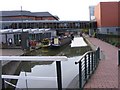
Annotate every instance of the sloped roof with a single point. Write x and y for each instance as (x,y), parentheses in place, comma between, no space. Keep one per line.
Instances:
(15,13)
(24,13)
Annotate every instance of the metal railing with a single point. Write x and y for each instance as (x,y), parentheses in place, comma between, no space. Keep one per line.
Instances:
(57,59)
(87,65)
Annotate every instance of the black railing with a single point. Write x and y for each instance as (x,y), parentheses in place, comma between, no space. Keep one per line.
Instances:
(87,65)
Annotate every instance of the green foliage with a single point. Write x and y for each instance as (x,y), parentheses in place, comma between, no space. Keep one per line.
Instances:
(114,42)
(85,31)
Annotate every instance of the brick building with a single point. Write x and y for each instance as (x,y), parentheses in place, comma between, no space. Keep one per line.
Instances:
(107,17)
(26,15)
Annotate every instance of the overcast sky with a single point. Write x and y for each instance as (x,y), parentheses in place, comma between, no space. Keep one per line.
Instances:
(64,9)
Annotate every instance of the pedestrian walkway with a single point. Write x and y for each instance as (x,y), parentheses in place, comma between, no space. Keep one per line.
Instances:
(106,75)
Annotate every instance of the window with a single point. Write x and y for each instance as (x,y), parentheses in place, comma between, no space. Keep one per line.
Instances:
(107,31)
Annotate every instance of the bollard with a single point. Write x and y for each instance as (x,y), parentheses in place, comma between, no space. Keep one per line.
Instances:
(119,57)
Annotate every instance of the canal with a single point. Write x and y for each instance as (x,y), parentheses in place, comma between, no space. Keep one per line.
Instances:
(48,69)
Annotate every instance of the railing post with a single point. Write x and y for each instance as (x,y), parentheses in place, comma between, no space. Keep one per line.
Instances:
(3,84)
(80,74)
(98,53)
(59,76)
(96,56)
(119,57)
(88,63)
(0,75)
(92,61)
(85,67)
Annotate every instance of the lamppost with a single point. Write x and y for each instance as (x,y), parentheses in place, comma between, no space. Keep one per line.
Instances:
(21,19)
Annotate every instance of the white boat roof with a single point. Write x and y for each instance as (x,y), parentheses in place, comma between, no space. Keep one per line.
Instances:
(24,30)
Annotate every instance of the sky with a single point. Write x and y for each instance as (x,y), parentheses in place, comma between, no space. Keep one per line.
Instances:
(64,9)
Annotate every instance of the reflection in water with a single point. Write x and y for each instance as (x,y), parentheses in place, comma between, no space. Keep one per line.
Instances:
(69,71)
(74,51)
(66,50)
(48,69)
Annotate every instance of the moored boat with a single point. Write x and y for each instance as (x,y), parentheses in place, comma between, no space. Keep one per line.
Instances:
(45,43)
(60,41)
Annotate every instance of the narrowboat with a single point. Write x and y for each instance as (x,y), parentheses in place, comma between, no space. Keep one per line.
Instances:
(60,41)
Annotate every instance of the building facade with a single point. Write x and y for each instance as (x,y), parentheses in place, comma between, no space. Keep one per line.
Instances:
(91,12)
(107,17)
(21,34)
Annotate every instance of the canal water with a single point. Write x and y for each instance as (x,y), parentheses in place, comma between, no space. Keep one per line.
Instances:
(73,51)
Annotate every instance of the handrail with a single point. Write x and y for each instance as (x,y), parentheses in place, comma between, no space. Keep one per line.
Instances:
(87,65)
(31,58)
(83,56)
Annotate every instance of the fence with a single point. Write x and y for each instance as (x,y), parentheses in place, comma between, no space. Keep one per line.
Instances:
(87,65)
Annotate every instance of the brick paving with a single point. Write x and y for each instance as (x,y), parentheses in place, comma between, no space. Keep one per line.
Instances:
(106,75)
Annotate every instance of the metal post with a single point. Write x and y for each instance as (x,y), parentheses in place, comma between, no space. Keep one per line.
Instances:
(3,84)
(0,75)
(98,53)
(85,67)
(80,75)
(92,61)
(59,77)
(119,57)
(89,64)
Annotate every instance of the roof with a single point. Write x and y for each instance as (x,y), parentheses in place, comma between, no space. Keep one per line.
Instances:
(15,13)
(24,13)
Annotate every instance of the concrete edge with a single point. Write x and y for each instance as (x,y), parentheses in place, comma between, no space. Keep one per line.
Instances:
(102,55)
(89,43)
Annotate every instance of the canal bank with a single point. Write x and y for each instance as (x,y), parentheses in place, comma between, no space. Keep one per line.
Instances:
(93,46)
(9,67)
(10,52)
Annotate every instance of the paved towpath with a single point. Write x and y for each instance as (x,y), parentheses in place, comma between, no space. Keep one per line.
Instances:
(106,74)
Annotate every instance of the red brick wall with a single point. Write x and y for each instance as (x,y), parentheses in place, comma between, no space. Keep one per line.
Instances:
(48,18)
(32,17)
(19,17)
(119,14)
(106,14)
(97,14)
